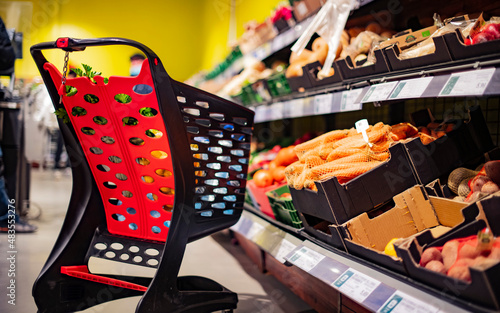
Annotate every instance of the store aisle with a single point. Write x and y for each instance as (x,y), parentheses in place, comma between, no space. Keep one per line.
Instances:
(213,257)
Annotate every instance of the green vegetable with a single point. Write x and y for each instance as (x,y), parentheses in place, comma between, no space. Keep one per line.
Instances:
(130,121)
(91,98)
(62,114)
(78,111)
(147,112)
(87,72)
(123,98)
(70,91)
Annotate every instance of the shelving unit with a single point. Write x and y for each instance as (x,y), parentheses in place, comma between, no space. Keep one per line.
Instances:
(440,86)
(374,288)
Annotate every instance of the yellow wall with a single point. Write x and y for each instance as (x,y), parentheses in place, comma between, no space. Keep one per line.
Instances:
(216,21)
(187,35)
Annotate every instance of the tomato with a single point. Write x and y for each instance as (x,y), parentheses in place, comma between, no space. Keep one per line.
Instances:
(278,173)
(286,195)
(286,156)
(263,178)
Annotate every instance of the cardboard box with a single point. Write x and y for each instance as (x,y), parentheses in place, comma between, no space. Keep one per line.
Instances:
(414,211)
(337,203)
(470,140)
(459,51)
(440,55)
(484,288)
(408,38)
(305,8)
(348,70)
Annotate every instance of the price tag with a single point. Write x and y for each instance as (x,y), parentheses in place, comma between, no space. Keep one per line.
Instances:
(348,100)
(237,227)
(296,108)
(356,285)
(411,88)
(400,302)
(254,230)
(469,83)
(260,113)
(306,259)
(288,37)
(276,112)
(284,248)
(278,42)
(379,92)
(323,104)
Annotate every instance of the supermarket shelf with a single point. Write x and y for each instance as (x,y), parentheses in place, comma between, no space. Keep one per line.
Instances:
(373,287)
(269,48)
(342,98)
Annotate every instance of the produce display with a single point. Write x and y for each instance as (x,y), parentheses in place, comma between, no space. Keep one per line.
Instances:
(456,256)
(470,185)
(345,154)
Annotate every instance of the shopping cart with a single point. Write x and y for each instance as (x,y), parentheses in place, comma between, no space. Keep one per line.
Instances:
(156,164)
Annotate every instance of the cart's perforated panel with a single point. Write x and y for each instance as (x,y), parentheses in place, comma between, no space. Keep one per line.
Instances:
(127,150)
(219,134)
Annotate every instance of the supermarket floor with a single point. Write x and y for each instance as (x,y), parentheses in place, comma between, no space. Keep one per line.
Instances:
(214,257)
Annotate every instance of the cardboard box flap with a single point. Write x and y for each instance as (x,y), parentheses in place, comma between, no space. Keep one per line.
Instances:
(412,213)
(420,208)
(448,211)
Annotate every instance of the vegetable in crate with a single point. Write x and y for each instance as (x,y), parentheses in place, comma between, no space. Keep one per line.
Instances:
(458,255)
(344,154)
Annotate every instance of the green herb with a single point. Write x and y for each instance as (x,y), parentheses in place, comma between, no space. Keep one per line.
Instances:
(130,121)
(123,98)
(99,120)
(147,112)
(91,98)
(78,111)
(70,91)
(62,114)
(149,133)
(87,72)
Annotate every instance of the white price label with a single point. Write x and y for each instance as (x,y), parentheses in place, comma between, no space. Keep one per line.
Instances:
(306,259)
(254,230)
(400,302)
(323,104)
(469,83)
(356,285)
(236,227)
(284,248)
(276,111)
(348,100)
(278,42)
(296,108)
(411,88)
(379,92)
(260,114)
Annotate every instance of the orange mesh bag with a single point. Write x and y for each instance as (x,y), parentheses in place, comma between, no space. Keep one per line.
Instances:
(341,153)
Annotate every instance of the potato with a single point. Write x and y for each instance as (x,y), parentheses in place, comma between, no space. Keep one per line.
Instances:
(320,50)
(450,253)
(495,253)
(490,187)
(436,266)
(460,272)
(478,182)
(492,169)
(468,251)
(430,254)
(475,196)
(482,263)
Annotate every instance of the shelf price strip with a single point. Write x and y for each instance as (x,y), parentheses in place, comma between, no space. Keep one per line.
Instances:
(379,92)
(400,302)
(323,104)
(348,100)
(410,88)
(305,258)
(356,285)
(283,249)
(470,83)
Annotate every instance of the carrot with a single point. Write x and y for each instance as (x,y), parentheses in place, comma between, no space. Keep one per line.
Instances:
(379,156)
(340,153)
(355,171)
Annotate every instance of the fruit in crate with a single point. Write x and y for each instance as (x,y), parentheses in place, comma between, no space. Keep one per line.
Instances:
(457,256)
(273,164)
